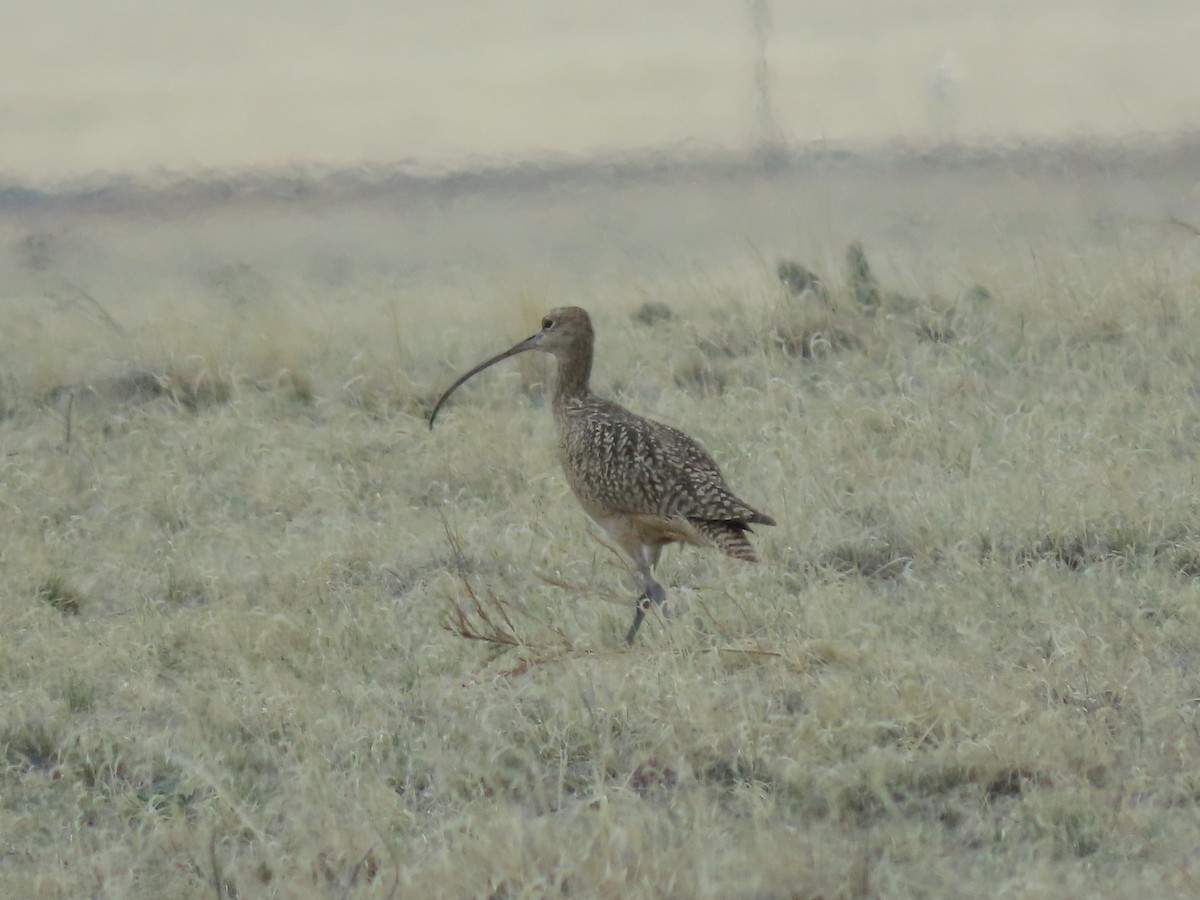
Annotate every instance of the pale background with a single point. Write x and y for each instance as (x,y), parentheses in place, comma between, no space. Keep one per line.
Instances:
(132,86)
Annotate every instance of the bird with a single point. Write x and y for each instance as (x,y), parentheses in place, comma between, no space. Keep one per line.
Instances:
(646,484)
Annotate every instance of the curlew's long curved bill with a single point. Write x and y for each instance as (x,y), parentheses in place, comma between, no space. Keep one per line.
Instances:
(528,344)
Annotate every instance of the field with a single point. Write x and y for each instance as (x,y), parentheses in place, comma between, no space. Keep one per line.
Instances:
(266,634)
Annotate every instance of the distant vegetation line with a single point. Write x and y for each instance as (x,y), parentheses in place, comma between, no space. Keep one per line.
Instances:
(113,192)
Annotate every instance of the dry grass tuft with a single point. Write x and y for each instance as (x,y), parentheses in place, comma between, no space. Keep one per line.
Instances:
(801,281)
(873,557)
(864,288)
(55,591)
(32,744)
(813,334)
(652,312)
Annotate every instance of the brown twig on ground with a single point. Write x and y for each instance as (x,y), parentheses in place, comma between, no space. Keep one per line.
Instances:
(489,630)
(67,420)
(215,865)
(104,314)
(487,620)
(354,872)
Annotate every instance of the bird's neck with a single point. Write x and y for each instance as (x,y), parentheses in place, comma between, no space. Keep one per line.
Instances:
(574,372)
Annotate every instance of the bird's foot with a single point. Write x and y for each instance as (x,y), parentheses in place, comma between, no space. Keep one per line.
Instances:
(653,595)
(640,605)
(656,593)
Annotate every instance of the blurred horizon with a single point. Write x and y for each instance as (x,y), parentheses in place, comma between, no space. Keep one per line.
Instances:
(131,87)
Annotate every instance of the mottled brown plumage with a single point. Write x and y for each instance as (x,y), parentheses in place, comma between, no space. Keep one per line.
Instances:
(645,483)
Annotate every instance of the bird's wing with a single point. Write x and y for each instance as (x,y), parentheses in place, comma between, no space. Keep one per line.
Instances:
(630,465)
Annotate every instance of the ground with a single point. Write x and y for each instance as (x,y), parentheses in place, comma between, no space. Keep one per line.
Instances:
(266,634)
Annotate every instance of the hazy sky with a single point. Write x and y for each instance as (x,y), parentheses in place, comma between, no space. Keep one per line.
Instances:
(134,85)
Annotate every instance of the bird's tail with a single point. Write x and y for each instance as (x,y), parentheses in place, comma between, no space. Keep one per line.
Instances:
(728,537)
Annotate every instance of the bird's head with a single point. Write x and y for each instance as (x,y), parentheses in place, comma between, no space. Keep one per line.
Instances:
(565,331)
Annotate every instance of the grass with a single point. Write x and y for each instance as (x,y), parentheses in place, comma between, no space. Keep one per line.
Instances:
(267,635)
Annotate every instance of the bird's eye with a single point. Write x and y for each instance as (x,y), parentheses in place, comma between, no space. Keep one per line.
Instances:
(547,324)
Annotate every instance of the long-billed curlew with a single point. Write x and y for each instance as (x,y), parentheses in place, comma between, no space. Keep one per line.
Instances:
(645,483)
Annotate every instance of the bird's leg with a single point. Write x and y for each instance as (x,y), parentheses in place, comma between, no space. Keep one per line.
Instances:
(655,592)
(652,592)
(639,607)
